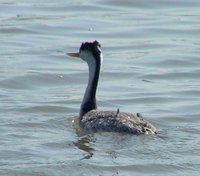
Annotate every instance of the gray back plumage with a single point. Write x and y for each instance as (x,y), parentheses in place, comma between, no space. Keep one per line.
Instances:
(116,121)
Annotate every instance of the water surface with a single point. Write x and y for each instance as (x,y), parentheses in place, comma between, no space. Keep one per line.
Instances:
(151,66)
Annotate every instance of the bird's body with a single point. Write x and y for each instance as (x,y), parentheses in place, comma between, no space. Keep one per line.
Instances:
(115,121)
(91,119)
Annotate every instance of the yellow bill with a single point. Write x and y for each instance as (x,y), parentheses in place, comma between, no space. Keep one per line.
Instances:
(73,54)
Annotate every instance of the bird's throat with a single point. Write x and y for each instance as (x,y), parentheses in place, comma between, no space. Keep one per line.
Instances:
(89,99)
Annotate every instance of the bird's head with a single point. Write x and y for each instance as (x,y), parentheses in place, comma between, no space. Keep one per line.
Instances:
(90,52)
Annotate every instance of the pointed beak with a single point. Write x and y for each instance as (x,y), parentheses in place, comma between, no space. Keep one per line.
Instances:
(73,54)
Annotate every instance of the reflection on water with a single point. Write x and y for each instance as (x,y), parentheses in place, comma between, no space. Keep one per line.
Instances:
(84,144)
(84,140)
(151,66)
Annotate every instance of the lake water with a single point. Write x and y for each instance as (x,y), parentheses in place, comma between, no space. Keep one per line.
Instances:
(151,65)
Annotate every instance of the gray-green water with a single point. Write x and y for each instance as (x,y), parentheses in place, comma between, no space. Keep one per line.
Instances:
(151,65)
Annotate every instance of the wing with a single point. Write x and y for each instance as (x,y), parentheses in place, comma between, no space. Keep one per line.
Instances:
(114,121)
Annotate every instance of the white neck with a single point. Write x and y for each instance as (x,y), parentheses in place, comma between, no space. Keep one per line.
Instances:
(92,70)
(89,99)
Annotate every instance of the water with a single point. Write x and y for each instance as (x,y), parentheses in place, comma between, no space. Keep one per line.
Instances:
(151,66)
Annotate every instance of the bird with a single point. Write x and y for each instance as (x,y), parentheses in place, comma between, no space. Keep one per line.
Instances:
(94,120)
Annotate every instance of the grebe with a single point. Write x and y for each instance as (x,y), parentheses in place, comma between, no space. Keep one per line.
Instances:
(94,120)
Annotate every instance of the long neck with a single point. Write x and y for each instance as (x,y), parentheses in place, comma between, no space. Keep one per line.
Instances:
(89,99)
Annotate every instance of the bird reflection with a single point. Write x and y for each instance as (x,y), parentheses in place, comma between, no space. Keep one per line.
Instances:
(84,140)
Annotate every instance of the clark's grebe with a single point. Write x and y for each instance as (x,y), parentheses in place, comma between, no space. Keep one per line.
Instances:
(94,120)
